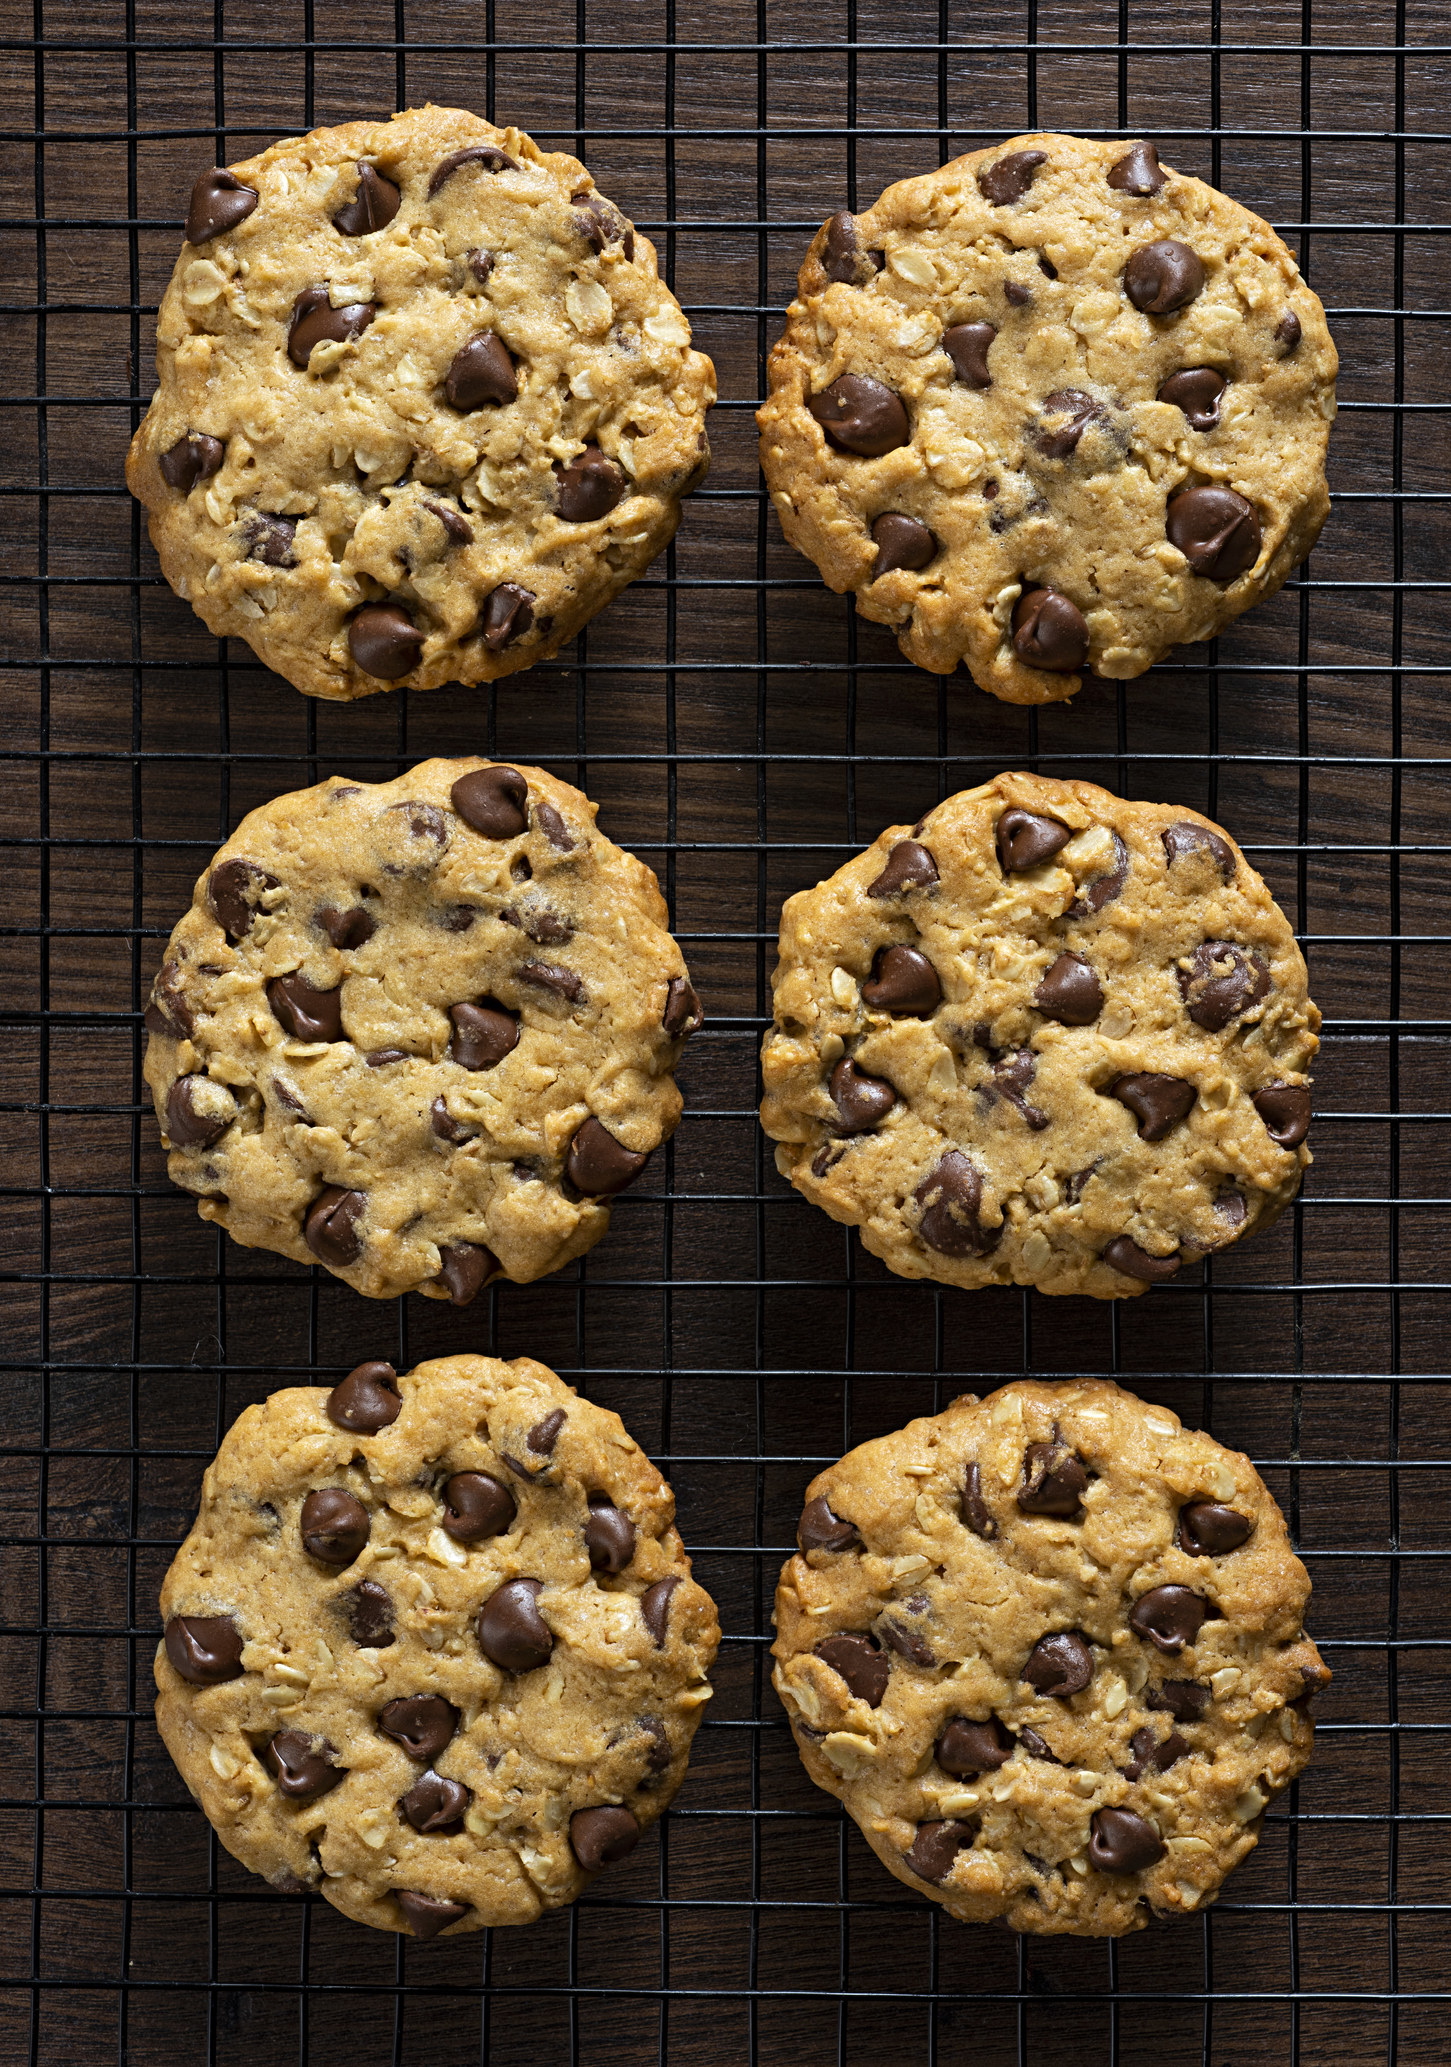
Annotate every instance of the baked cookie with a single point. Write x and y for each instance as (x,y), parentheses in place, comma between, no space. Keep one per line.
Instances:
(419,1031)
(1046,1648)
(424,405)
(1043,1037)
(432,1647)
(1052,407)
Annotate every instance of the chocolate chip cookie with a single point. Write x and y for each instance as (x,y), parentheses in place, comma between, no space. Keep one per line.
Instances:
(1050,408)
(1043,1037)
(419,1031)
(1047,1649)
(424,405)
(432,1647)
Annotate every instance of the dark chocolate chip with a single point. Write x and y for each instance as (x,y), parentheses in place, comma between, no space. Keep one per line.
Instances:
(477,1505)
(683,1012)
(366,1400)
(186,1125)
(906,1642)
(1069,991)
(909,867)
(861,1101)
(427,1915)
(553,827)
(936,1845)
(596,221)
(1092,897)
(483,1034)
(1123,1842)
(1016,293)
(973,1747)
(384,641)
(234,889)
(305,1013)
(609,1535)
(1157,1102)
(565,983)
(843,258)
(975,1510)
(1284,1108)
(167,1011)
(453,520)
(1197,391)
(1124,1255)
(861,1662)
(488,155)
(1054,1480)
(1070,411)
(545,1434)
(1163,276)
(335,1526)
(1209,1529)
(1060,1665)
(1182,1698)
(659,1757)
(1025,839)
(302,1772)
(270,539)
(861,415)
(507,615)
(1186,841)
(1222,982)
(655,1608)
(1287,331)
(494,801)
(205,1649)
(602,1837)
(482,371)
(370,1615)
(1170,1616)
(422,1723)
(191,459)
(901,542)
(379,1058)
(347,929)
(1216,530)
(1137,172)
(434,1804)
(512,1632)
(1150,1756)
(903,982)
(589,487)
(1008,179)
(966,344)
(331,1227)
(1049,632)
(315,321)
(598,1165)
(219,201)
(820,1529)
(1012,1075)
(950,1198)
(424,822)
(372,207)
(1038,1747)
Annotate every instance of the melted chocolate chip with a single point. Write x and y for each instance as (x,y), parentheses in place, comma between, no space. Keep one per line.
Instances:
(975,1510)
(1157,1102)
(188,1125)
(1217,531)
(820,1529)
(1124,1255)
(862,1102)
(602,1837)
(1011,1077)
(1285,1110)
(1163,276)
(366,1400)
(906,1642)
(936,1846)
(595,220)
(1150,1756)
(1197,391)
(507,615)
(1069,991)
(1137,172)
(842,255)
(1054,1480)
(1038,1747)
(950,1199)
(861,415)
(655,1609)
(1170,1616)
(901,542)
(370,1615)
(1060,1665)
(427,1915)
(454,522)
(860,1661)
(493,800)
(465,1268)
(475,1506)
(335,1526)
(315,321)
(902,982)
(302,1772)
(1008,179)
(1287,332)
(488,155)
(483,1034)
(1069,412)
(270,539)
(966,344)
(966,1747)
(909,867)
(512,1632)
(609,1535)
(1187,841)
(1181,1698)
(1123,1842)
(234,890)
(1222,982)
(565,983)
(372,207)
(219,201)
(205,1649)
(384,641)
(597,1165)
(482,371)
(683,1012)
(347,929)
(1049,632)
(1209,1529)
(191,459)
(305,1013)
(434,1804)
(331,1227)
(1025,839)
(589,487)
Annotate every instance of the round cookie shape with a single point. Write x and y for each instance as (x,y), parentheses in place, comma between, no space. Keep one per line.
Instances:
(1110,1079)
(1025,1753)
(351,1736)
(419,1031)
(424,405)
(1099,397)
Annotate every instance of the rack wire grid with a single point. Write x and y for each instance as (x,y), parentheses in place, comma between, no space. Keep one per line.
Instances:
(744,733)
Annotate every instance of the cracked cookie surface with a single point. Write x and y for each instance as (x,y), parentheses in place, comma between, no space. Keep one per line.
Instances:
(1047,1650)
(1045,1036)
(1053,406)
(432,1646)
(418,368)
(419,1031)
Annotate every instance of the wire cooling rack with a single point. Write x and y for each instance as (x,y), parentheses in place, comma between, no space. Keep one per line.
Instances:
(744,733)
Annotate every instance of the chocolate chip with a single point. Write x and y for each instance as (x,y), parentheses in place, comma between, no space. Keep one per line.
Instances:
(659,1757)
(488,155)
(372,207)
(545,1434)
(347,929)
(494,801)
(427,1915)
(1060,1665)
(454,522)
(466,1268)
(1008,179)
(193,458)
(565,983)
(302,1772)
(1284,1108)
(1038,1747)
(483,1034)
(1209,1529)
(655,1608)
(1016,293)
(1182,1699)
(860,1662)
(1012,1074)
(331,1227)
(434,1804)
(1123,1842)
(1124,1255)
(1025,839)
(379,1058)
(1163,276)
(370,1615)
(167,1011)
(1222,982)
(967,1747)
(906,1642)
(861,415)
(903,982)
(683,1012)
(602,1837)
(1137,172)
(384,641)
(909,867)
(598,1165)
(1150,1756)
(1216,530)
(305,1013)
(1054,1480)
(1170,1616)
(1197,391)
(366,1400)
(1071,412)
(1049,632)
(609,1535)
(553,827)
(219,202)
(589,487)
(1287,331)
(595,220)
(975,1510)
(1069,991)
(234,889)
(966,345)
(512,1632)
(901,542)
(205,1649)
(507,615)
(1186,841)
(1157,1102)
(936,1846)
(820,1529)
(843,257)
(541,925)
(950,1198)
(422,1723)
(423,822)
(270,539)
(1230,1206)
(315,321)
(335,1526)
(482,371)
(861,1101)
(477,1505)
(187,1123)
